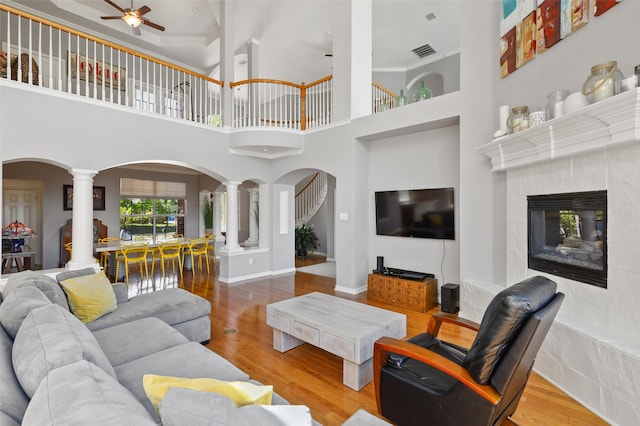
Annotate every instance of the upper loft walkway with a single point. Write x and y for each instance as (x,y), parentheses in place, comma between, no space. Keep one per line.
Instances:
(56,58)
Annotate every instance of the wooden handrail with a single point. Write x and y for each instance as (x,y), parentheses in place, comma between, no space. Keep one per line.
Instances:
(106,43)
(308,183)
(264,80)
(283,82)
(384,89)
(322,80)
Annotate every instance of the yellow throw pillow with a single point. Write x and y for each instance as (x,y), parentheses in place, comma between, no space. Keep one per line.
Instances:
(90,296)
(241,393)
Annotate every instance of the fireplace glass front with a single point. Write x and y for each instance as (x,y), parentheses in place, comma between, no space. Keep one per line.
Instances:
(568,235)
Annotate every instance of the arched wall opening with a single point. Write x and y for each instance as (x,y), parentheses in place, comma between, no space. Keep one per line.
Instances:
(320,196)
(49,178)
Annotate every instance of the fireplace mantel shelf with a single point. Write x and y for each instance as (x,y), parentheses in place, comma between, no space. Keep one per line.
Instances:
(609,123)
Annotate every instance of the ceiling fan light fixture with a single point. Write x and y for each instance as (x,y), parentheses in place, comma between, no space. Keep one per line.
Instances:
(132,20)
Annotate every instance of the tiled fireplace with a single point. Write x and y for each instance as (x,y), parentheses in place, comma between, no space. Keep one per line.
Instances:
(593,349)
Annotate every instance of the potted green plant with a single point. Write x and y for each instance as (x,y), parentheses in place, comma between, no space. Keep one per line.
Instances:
(306,240)
(208,215)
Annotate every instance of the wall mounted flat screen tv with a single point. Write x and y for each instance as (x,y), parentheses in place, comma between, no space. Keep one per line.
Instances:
(416,213)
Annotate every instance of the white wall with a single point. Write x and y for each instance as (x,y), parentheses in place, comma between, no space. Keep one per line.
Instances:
(416,161)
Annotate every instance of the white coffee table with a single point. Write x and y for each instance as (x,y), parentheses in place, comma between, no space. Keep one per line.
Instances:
(342,327)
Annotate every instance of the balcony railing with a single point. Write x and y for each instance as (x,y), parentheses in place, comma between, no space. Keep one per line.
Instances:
(58,58)
(43,53)
(276,103)
(383,99)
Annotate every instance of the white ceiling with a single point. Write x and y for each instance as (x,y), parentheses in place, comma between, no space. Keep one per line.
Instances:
(293,36)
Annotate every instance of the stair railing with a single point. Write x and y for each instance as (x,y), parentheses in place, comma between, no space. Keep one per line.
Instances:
(310,196)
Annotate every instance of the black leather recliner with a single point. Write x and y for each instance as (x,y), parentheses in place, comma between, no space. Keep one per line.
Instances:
(428,381)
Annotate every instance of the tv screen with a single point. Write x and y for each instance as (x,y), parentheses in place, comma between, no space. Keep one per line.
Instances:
(416,213)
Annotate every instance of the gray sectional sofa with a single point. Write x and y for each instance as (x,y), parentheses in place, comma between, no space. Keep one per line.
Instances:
(56,370)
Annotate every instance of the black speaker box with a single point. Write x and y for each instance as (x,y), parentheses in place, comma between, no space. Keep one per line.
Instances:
(450,298)
(380,264)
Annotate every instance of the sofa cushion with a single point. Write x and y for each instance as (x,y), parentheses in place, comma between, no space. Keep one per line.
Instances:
(13,401)
(51,337)
(188,407)
(75,273)
(122,292)
(240,392)
(190,360)
(90,296)
(93,398)
(17,306)
(136,339)
(172,305)
(6,420)
(46,284)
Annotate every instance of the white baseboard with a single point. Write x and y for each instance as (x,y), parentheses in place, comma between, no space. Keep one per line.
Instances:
(349,290)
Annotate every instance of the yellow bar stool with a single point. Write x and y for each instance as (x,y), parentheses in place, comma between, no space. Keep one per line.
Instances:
(171,251)
(104,256)
(197,247)
(135,253)
(69,247)
(211,247)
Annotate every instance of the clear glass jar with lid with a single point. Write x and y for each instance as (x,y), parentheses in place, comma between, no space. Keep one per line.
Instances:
(518,119)
(603,82)
(555,102)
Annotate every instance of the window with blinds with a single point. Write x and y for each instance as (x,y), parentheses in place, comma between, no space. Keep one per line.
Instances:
(151,209)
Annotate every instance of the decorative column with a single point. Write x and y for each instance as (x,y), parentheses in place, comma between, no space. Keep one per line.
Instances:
(227,54)
(254,194)
(82,220)
(232,217)
(217,215)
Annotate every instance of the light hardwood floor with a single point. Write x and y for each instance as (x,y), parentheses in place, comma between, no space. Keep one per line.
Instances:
(310,376)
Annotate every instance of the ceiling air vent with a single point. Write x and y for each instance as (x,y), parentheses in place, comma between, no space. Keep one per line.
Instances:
(424,51)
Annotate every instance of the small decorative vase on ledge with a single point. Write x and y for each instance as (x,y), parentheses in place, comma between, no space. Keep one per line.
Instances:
(401,99)
(422,93)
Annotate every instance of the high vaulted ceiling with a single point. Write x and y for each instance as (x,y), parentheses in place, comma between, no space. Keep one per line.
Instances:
(293,37)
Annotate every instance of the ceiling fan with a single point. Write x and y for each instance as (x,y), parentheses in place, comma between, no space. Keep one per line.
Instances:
(133,17)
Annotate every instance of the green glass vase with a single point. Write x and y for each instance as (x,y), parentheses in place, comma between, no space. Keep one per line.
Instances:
(401,99)
(422,93)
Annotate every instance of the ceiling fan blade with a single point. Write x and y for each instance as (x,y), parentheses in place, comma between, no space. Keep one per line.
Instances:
(152,25)
(111,17)
(136,31)
(143,10)
(115,5)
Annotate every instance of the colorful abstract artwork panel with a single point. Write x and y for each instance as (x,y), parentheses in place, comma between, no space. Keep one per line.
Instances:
(601,6)
(579,14)
(508,53)
(550,22)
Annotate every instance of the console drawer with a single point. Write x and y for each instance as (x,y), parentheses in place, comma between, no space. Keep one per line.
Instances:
(279,322)
(307,333)
(339,346)
(415,295)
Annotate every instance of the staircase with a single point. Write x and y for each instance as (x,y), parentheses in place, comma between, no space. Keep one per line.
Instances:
(310,198)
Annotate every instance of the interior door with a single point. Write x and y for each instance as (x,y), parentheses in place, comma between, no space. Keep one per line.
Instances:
(23,205)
